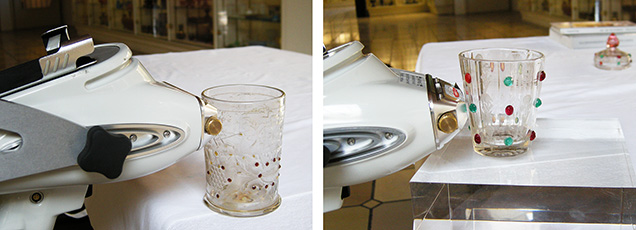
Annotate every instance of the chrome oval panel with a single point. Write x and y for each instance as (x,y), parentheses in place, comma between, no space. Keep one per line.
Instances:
(353,144)
(147,139)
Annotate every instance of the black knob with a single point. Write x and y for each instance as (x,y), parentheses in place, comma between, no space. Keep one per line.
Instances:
(104,153)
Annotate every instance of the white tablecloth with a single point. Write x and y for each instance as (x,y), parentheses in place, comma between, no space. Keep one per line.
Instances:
(573,87)
(172,198)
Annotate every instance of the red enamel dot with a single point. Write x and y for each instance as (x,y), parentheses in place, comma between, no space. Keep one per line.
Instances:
(266,186)
(260,175)
(600,63)
(509,110)
(477,139)
(455,93)
(274,160)
(467,78)
(217,196)
(532,135)
(272,183)
(619,56)
(542,75)
(222,167)
(256,164)
(229,179)
(266,163)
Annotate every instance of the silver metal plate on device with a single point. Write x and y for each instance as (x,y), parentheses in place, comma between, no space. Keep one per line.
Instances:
(63,61)
(443,99)
(351,144)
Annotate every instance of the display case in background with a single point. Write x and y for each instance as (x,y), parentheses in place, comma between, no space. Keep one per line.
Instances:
(123,15)
(194,21)
(152,18)
(99,13)
(150,26)
(543,12)
(250,22)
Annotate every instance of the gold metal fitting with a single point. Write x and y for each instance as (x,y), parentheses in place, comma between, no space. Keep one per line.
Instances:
(447,122)
(213,126)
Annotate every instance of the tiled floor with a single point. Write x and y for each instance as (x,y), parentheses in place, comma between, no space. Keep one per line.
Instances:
(396,40)
(381,204)
(17,47)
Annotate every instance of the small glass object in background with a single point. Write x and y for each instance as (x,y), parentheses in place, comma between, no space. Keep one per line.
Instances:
(243,160)
(502,93)
(612,58)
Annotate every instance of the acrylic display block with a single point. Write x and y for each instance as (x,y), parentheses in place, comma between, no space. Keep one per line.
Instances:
(576,172)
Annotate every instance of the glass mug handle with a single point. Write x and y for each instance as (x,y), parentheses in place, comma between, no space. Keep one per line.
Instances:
(212,125)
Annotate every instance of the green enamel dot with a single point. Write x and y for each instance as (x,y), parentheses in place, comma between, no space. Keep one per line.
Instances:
(601,56)
(537,103)
(630,55)
(473,108)
(463,108)
(469,127)
(508,141)
(618,63)
(508,81)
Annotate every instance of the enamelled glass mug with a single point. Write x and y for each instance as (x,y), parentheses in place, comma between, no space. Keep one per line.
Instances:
(243,160)
(502,88)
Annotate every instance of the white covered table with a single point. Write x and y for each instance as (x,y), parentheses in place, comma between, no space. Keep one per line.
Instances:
(173,198)
(588,125)
(573,87)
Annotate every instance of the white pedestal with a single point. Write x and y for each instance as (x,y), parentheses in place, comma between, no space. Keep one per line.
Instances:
(576,171)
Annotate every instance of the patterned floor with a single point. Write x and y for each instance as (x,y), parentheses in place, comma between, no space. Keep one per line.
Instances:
(20,46)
